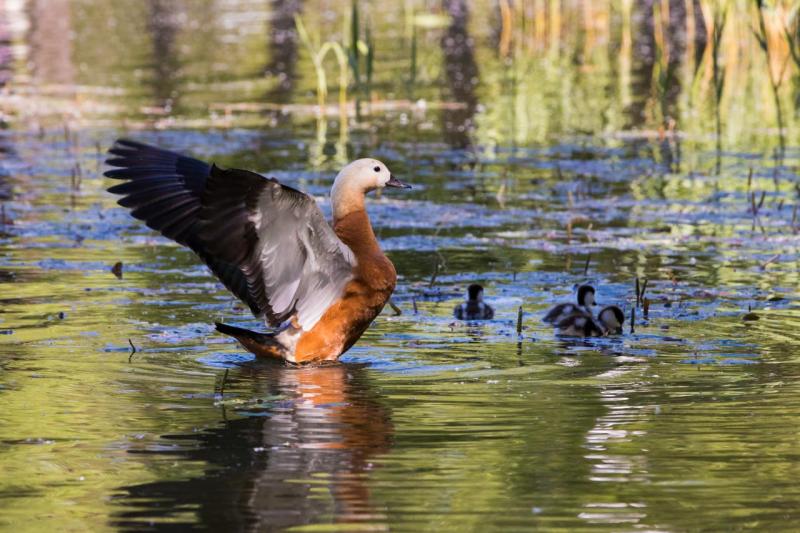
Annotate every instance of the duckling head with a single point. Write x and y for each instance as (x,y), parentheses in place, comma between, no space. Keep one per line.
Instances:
(586,296)
(612,318)
(475,293)
(357,179)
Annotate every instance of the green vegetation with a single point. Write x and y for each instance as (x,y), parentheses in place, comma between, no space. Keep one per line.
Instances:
(727,68)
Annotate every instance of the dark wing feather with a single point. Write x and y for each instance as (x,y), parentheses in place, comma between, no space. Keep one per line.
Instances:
(164,189)
(293,261)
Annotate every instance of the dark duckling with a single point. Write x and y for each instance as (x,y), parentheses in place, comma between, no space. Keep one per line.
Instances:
(581,324)
(561,312)
(611,319)
(474,308)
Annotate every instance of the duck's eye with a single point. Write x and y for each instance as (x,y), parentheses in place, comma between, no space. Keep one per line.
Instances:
(377,169)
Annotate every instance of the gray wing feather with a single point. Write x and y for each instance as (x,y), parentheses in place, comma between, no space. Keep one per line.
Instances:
(293,260)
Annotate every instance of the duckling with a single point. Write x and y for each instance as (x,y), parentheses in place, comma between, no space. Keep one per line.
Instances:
(611,318)
(320,284)
(561,312)
(474,308)
(581,324)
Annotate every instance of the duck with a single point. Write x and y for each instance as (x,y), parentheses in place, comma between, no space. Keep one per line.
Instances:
(582,324)
(585,301)
(317,285)
(474,308)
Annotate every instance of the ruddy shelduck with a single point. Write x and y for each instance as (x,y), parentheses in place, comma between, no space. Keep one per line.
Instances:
(319,286)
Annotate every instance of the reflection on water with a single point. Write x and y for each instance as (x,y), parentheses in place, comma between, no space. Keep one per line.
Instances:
(283,44)
(588,135)
(666,34)
(6,53)
(162,25)
(50,42)
(300,455)
(461,72)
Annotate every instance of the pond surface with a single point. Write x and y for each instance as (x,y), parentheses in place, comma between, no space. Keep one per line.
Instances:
(124,409)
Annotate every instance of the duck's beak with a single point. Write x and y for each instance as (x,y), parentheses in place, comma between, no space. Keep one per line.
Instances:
(397,184)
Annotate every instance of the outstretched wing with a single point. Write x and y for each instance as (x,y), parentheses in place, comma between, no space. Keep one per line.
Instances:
(269,244)
(163,189)
(278,237)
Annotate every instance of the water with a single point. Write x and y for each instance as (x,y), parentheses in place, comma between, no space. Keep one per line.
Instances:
(687,423)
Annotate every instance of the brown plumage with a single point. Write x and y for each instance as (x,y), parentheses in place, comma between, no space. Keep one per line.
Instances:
(373,282)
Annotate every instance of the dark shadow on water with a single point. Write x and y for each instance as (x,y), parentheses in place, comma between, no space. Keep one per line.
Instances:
(49,40)
(300,456)
(283,44)
(461,72)
(6,50)
(8,152)
(663,85)
(162,26)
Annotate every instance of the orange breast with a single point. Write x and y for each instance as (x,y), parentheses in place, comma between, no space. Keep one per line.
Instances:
(373,282)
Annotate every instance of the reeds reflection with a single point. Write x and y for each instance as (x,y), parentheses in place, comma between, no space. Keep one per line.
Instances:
(300,455)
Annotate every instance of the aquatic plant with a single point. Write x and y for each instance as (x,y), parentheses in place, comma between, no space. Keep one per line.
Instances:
(317,54)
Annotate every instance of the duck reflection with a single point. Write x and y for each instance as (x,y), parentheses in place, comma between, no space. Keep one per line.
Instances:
(301,459)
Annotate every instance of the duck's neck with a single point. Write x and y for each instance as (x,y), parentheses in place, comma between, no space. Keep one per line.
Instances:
(350,220)
(346,198)
(355,230)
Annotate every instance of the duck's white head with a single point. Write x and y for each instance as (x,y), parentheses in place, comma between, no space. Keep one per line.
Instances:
(357,179)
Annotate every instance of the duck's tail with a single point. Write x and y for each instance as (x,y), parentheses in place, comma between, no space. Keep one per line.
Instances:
(260,344)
